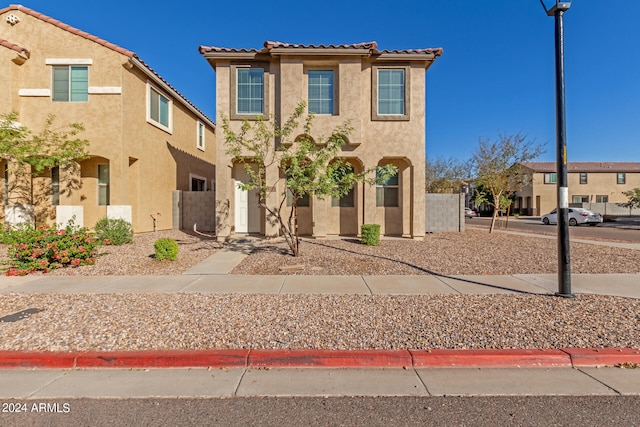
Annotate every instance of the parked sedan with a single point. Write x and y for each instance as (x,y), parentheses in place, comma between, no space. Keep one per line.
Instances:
(576,216)
(469,213)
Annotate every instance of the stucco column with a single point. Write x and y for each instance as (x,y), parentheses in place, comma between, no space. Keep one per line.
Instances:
(418,208)
(224,192)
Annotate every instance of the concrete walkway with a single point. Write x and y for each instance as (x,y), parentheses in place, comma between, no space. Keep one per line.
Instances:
(225,383)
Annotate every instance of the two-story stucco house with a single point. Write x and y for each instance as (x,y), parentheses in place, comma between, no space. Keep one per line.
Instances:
(380,92)
(588,182)
(146,139)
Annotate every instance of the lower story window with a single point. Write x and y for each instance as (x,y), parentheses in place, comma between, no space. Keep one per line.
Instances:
(55,186)
(346,201)
(5,194)
(198,184)
(303,201)
(580,199)
(387,193)
(103,184)
(602,199)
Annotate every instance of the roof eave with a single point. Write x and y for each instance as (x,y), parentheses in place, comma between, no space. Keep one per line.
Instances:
(150,74)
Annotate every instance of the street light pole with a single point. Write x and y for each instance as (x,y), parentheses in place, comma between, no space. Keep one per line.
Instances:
(564,257)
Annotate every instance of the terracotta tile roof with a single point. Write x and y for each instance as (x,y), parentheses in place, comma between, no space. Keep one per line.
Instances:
(586,166)
(68,28)
(13,46)
(275,45)
(371,46)
(101,42)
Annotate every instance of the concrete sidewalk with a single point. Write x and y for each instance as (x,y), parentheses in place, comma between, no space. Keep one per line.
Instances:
(624,285)
(244,382)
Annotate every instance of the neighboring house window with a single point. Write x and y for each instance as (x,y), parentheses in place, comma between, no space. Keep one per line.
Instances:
(622,178)
(70,83)
(580,199)
(583,178)
(550,178)
(250,91)
(391,92)
(602,199)
(159,112)
(387,193)
(198,183)
(5,195)
(320,91)
(200,136)
(103,184)
(55,186)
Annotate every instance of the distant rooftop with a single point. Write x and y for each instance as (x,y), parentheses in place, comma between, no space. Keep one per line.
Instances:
(586,166)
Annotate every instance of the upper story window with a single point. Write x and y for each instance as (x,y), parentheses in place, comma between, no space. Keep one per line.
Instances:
(200,136)
(70,83)
(250,91)
(583,178)
(159,109)
(390,93)
(550,178)
(320,91)
(621,178)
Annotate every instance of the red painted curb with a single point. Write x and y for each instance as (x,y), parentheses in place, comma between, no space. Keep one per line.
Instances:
(240,358)
(163,359)
(525,358)
(602,356)
(37,359)
(329,358)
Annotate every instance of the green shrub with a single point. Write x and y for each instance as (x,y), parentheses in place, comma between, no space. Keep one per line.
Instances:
(111,231)
(370,234)
(11,235)
(166,248)
(46,247)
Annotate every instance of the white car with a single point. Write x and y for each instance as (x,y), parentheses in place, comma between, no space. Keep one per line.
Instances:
(576,216)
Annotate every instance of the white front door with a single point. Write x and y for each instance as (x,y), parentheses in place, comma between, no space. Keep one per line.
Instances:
(246,207)
(241,209)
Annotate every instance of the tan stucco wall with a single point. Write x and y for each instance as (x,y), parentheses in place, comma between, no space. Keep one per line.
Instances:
(146,163)
(371,143)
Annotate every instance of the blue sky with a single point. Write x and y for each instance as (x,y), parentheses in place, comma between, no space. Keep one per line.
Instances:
(496,75)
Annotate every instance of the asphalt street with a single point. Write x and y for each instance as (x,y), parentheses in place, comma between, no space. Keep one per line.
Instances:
(334,411)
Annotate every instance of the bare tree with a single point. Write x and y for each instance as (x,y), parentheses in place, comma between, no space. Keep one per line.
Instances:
(445,175)
(498,167)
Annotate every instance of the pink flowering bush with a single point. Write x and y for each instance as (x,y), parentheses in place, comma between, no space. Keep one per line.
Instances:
(46,247)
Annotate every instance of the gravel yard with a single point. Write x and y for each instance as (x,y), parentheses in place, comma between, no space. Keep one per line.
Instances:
(182,321)
(199,321)
(472,252)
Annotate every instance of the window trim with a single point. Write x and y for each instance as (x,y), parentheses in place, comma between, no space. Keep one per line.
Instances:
(69,68)
(334,91)
(622,175)
(150,120)
(200,138)
(601,197)
(586,178)
(233,91)
(548,177)
(193,176)
(375,115)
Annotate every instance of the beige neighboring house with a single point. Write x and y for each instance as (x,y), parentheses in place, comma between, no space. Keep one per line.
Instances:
(589,182)
(146,139)
(380,92)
